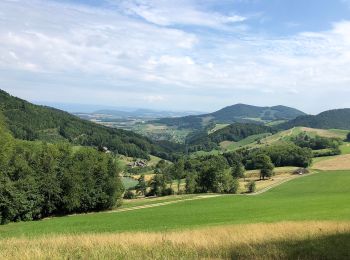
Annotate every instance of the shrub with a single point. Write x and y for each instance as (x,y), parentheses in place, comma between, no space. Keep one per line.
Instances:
(251,186)
(168,191)
(129,195)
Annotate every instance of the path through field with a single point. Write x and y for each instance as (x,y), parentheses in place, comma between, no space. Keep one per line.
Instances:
(208,196)
(164,203)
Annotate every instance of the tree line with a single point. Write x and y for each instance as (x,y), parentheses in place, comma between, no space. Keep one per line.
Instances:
(38,180)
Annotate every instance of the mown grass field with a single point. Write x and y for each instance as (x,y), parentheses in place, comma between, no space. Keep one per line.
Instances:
(340,162)
(322,196)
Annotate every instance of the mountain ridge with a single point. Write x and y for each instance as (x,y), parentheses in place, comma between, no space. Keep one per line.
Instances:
(238,113)
(335,118)
(31,122)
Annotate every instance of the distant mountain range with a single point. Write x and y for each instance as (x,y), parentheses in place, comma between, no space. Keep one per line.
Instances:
(144,113)
(239,113)
(338,119)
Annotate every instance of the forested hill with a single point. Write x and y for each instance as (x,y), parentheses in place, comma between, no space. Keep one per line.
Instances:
(234,132)
(32,122)
(240,113)
(338,118)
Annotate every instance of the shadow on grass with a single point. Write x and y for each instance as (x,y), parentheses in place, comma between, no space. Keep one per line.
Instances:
(327,247)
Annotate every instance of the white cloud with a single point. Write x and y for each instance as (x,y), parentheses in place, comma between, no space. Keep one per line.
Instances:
(180,12)
(112,50)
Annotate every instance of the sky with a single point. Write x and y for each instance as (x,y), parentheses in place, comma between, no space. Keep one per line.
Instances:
(177,55)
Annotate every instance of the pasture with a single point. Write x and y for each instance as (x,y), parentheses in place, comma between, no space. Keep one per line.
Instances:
(341,162)
(283,240)
(321,196)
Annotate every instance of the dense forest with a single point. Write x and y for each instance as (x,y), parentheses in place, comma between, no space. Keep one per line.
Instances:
(38,179)
(32,122)
(332,119)
(281,154)
(235,132)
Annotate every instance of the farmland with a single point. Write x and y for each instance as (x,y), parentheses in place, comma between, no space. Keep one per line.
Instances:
(304,218)
(284,240)
(322,196)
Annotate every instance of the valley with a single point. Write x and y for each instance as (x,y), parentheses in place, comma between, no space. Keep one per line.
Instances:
(240,176)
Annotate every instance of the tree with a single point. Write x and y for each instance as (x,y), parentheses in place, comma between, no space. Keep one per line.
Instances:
(161,167)
(263,162)
(238,170)
(191,183)
(141,187)
(225,183)
(348,137)
(157,185)
(178,172)
(210,169)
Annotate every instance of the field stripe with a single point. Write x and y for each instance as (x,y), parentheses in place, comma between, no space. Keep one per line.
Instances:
(163,203)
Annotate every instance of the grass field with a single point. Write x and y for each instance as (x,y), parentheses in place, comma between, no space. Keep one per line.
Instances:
(322,196)
(340,162)
(345,148)
(129,182)
(149,201)
(285,240)
(305,218)
(217,127)
(246,141)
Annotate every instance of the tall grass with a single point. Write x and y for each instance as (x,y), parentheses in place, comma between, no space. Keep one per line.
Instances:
(283,240)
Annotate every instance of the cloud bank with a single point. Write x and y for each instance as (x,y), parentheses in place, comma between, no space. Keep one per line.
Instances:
(139,52)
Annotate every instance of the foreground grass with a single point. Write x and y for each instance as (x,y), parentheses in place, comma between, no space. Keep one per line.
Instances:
(284,240)
(322,196)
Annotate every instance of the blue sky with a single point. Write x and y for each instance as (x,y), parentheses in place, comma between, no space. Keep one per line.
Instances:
(177,55)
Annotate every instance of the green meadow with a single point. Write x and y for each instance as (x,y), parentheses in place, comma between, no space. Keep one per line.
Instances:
(320,196)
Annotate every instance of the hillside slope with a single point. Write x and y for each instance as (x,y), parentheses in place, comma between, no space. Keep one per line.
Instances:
(234,133)
(332,119)
(32,122)
(240,113)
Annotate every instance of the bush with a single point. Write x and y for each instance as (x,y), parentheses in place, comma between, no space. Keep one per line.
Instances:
(168,191)
(129,195)
(251,186)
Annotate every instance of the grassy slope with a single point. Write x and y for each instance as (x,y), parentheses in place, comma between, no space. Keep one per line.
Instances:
(283,240)
(217,127)
(246,141)
(322,196)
